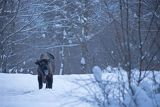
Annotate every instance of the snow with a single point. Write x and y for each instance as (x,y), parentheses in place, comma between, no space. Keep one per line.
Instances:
(135,15)
(58,25)
(112,52)
(64,33)
(70,41)
(97,72)
(21,90)
(96,1)
(24,62)
(143,97)
(61,70)
(80,90)
(83,62)
(21,70)
(43,35)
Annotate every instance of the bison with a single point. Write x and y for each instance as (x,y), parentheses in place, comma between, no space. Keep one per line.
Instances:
(45,70)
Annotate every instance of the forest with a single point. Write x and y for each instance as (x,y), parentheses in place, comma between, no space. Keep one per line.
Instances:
(80,34)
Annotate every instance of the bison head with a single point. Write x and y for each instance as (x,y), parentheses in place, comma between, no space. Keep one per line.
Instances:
(43,64)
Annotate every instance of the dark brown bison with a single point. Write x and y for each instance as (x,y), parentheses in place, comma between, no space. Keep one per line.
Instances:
(46,68)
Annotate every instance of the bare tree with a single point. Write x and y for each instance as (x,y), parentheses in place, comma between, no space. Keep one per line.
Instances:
(9,10)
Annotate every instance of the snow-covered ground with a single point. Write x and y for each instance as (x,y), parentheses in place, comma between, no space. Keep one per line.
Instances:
(21,90)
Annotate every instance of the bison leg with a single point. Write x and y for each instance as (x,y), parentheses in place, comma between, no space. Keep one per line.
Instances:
(40,82)
(49,81)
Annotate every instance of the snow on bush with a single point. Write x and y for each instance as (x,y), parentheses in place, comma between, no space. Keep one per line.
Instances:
(112,88)
(97,72)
